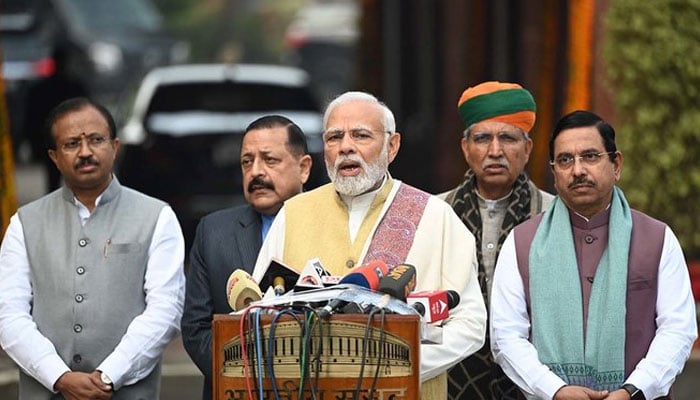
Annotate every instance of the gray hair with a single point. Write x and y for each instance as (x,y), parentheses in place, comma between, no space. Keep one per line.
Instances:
(468,131)
(388,120)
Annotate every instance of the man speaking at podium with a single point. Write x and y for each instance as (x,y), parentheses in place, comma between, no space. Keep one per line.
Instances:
(364,214)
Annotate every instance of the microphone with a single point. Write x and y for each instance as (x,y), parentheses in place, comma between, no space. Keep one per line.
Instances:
(241,290)
(311,277)
(433,305)
(278,275)
(332,307)
(367,275)
(399,282)
(278,285)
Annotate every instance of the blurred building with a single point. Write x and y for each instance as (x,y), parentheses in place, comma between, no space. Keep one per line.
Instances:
(419,56)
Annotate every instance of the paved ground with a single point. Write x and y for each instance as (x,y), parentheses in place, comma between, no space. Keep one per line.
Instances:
(182,380)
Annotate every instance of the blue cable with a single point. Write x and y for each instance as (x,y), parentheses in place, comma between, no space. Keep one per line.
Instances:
(258,349)
(270,358)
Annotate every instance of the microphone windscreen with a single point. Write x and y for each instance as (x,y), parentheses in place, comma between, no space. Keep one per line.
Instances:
(452,299)
(420,308)
(367,275)
(241,290)
(399,282)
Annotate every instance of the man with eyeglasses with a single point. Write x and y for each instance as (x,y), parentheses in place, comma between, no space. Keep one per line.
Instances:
(91,275)
(591,299)
(364,215)
(494,196)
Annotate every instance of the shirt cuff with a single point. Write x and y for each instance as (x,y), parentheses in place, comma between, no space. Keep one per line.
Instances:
(115,366)
(549,385)
(49,370)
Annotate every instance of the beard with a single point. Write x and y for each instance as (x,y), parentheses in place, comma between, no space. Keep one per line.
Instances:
(369,176)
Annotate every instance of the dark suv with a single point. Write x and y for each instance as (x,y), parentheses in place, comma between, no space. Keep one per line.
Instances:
(107,47)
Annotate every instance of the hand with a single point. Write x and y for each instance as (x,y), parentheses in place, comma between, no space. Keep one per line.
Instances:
(570,392)
(83,386)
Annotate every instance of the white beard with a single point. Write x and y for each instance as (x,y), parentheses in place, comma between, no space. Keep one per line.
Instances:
(366,180)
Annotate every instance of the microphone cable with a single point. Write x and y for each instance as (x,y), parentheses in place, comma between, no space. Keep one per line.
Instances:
(365,345)
(318,359)
(311,321)
(244,352)
(382,339)
(257,333)
(271,346)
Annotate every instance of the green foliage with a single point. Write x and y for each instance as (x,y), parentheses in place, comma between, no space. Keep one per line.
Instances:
(652,58)
(231,30)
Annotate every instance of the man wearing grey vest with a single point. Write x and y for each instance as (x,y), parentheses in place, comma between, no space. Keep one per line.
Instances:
(91,275)
(591,299)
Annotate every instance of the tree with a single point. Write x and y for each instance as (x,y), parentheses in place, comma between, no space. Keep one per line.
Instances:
(653,65)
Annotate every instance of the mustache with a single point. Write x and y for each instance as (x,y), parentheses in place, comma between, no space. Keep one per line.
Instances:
(350,157)
(258,183)
(85,161)
(581,180)
(500,162)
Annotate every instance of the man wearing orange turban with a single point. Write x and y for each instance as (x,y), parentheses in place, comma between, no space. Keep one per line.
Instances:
(495,196)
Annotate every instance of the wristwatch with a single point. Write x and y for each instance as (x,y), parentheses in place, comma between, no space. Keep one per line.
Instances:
(106,379)
(635,394)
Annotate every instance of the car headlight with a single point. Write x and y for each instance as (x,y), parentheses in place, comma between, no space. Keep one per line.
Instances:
(106,57)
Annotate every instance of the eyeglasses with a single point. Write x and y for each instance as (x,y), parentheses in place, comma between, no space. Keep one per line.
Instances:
(94,142)
(567,160)
(505,139)
(359,135)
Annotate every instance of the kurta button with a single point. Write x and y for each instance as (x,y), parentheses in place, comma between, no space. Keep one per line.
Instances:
(82,242)
(589,239)
(349,263)
(490,246)
(77,358)
(79,298)
(77,328)
(80,270)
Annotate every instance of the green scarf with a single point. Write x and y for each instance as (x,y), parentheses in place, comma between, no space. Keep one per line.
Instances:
(598,362)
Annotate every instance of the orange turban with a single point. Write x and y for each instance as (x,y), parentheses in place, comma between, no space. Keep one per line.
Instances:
(498,101)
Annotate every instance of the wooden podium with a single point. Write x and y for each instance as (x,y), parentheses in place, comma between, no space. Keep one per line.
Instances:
(336,347)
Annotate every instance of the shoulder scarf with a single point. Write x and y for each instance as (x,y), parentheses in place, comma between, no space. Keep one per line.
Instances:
(484,379)
(465,203)
(394,236)
(598,361)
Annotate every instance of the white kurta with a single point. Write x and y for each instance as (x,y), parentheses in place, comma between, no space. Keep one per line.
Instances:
(668,352)
(444,254)
(142,345)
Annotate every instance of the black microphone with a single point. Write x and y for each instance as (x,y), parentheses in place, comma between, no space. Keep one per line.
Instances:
(420,308)
(332,307)
(279,276)
(399,282)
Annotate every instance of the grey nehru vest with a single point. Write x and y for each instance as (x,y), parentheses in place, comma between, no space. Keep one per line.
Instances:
(88,280)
